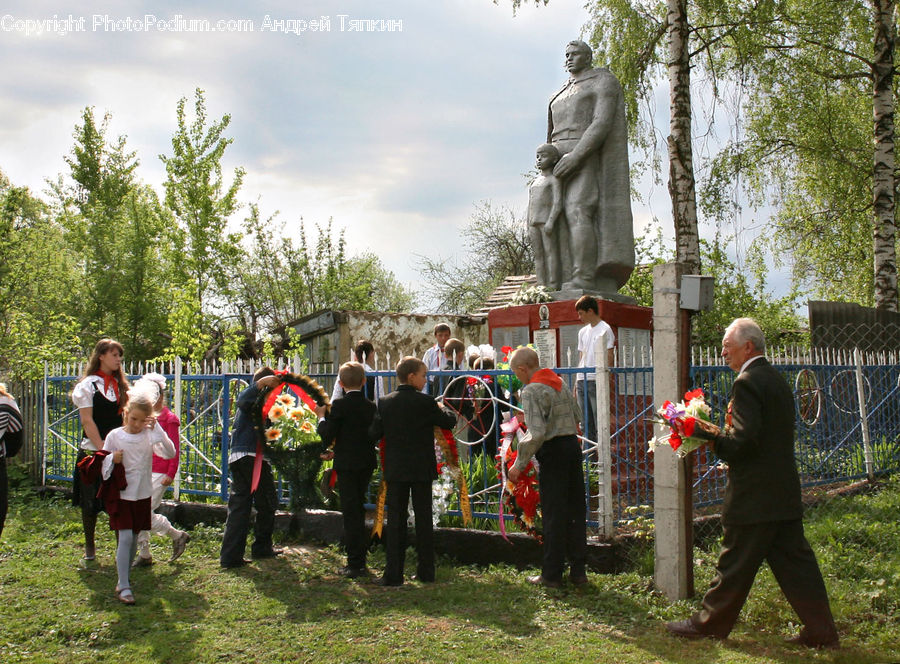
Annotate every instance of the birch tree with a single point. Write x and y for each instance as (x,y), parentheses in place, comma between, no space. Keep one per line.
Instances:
(814,79)
(884,247)
(681,161)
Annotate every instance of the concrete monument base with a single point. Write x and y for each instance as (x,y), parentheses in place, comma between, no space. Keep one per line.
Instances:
(575,293)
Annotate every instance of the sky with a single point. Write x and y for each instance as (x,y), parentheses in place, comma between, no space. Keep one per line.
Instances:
(395,134)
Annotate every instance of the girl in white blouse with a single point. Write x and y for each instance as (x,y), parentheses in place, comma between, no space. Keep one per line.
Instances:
(133,446)
(100,397)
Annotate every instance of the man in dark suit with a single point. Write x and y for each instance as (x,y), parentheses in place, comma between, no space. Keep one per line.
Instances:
(406,420)
(346,430)
(762,513)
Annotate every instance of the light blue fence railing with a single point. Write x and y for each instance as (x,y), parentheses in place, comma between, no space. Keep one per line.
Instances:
(830,432)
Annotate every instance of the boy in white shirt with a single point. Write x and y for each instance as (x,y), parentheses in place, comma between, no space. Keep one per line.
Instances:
(589,313)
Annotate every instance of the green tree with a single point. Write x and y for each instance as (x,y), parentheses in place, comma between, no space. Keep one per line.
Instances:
(280,281)
(739,293)
(146,265)
(116,226)
(649,251)
(90,207)
(496,246)
(38,285)
(202,202)
(812,83)
(884,237)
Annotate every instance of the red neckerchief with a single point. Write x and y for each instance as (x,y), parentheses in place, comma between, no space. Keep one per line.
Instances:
(547,377)
(107,381)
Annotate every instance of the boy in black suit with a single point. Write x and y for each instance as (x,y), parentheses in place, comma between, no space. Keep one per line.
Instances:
(345,429)
(406,419)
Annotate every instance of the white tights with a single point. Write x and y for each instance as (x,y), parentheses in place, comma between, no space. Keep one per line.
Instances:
(124,555)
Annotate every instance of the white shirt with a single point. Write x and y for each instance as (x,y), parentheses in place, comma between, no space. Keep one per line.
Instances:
(137,457)
(83,393)
(433,358)
(587,338)
(83,397)
(336,393)
(749,362)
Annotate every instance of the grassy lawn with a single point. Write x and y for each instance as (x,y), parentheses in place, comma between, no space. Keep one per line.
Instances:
(296,609)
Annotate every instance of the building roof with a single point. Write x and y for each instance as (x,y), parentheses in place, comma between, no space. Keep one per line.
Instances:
(505,292)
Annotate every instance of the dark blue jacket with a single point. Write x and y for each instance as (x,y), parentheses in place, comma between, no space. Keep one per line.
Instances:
(243,434)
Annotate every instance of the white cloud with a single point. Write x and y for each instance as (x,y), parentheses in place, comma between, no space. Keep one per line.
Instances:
(395,135)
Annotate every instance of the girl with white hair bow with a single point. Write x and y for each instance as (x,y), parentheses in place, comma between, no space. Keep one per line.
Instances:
(164,471)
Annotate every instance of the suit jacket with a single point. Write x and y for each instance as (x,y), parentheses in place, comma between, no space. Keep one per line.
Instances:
(406,419)
(347,426)
(763,484)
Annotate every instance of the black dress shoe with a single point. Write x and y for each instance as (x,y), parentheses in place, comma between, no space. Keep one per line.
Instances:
(235,564)
(579,581)
(389,582)
(803,639)
(686,629)
(539,580)
(423,579)
(353,572)
(271,553)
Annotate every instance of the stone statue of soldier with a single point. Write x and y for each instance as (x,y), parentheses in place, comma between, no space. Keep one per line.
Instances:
(586,123)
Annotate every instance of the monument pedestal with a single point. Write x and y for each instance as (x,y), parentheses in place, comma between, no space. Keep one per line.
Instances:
(553,328)
(562,295)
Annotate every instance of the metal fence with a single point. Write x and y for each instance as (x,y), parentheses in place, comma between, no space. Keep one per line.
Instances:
(848,429)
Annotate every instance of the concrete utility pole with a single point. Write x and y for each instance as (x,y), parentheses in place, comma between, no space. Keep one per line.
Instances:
(672,476)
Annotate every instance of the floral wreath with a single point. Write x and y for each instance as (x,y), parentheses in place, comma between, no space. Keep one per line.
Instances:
(308,391)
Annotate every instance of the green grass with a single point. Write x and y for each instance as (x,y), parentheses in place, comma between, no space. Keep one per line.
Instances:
(296,609)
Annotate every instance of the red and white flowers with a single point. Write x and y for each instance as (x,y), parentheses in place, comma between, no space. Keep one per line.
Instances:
(682,419)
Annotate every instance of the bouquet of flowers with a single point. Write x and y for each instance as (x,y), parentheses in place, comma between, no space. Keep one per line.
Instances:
(684,420)
(292,424)
(441,491)
(509,382)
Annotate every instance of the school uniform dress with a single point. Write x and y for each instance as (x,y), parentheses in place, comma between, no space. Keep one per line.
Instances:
(347,428)
(101,396)
(133,509)
(762,512)
(406,419)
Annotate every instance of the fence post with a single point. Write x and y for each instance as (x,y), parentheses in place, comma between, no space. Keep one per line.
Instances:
(672,477)
(178,410)
(45,427)
(604,450)
(225,437)
(863,416)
